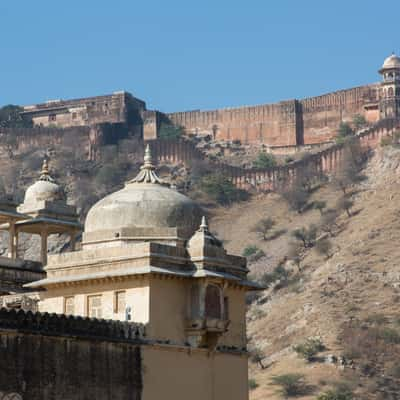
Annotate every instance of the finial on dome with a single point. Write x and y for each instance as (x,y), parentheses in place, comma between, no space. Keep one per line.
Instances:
(147,170)
(45,174)
(204,224)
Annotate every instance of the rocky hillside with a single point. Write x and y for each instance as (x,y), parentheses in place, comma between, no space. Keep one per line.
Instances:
(340,304)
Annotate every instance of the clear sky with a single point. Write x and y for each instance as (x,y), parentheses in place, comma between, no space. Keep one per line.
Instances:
(181,55)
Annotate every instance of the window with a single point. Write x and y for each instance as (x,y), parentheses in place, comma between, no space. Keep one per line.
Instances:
(119,302)
(52,117)
(213,302)
(69,307)
(226,308)
(94,306)
(74,115)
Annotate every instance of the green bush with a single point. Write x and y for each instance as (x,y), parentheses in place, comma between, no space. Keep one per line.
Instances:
(359,122)
(169,131)
(264,160)
(10,117)
(309,349)
(306,236)
(221,189)
(390,335)
(340,393)
(253,384)
(278,274)
(253,252)
(345,130)
(291,384)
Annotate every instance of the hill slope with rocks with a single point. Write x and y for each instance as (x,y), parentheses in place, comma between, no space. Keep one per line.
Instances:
(339,306)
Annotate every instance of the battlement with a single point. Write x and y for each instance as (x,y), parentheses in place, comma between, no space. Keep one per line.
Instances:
(70,326)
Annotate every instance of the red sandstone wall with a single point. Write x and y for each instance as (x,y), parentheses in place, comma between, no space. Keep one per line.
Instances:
(309,121)
(273,124)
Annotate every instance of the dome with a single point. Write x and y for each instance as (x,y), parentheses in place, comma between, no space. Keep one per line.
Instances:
(392,61)
(144,205)
(44,189)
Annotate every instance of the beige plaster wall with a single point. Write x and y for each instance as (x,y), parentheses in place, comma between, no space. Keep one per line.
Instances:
(194,375)
(137,297)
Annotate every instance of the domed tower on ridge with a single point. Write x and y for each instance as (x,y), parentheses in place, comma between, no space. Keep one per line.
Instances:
(389,94)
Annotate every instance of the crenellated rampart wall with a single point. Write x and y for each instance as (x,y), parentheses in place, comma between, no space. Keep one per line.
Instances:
(293,122)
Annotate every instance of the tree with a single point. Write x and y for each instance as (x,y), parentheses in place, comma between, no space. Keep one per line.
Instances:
(345,130)
(257,356)
(328,222)
(169,131)
(340,393)
(296,196)
(294,254)
(320,205)
(221,189)
(263,227)
(309,349)
(278,274)
(11,117)
(306,236)
(359,122)
(324,247)
(345,203)
(291,384)
(264,160)
(348,171)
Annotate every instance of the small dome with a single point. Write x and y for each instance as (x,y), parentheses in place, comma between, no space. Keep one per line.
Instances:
(44,189)
(145,202)
(392,61)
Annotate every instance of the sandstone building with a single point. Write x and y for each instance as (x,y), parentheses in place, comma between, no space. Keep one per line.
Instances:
(293,122)
(149,263)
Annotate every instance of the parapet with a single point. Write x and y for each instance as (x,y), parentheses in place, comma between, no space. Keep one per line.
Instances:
(70,326)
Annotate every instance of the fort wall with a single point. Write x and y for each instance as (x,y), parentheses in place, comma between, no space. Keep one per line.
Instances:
(293,122)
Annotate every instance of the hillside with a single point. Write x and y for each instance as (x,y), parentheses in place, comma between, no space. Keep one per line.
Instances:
(350,301)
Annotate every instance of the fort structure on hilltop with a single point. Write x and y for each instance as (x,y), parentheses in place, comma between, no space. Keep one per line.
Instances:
(313,120)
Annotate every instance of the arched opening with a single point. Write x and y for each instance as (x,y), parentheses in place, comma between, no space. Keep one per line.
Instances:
(213,302)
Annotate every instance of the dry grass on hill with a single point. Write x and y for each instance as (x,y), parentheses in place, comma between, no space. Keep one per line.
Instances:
(350,301)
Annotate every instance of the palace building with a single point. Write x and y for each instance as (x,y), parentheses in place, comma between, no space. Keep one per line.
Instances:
(151,305)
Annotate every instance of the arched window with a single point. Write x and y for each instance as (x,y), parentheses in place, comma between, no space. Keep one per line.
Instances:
(213,302)
(390,92)
(195,302)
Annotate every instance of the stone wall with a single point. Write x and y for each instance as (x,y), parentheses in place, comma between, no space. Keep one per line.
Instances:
(50,357)
(326,161)
(294,122)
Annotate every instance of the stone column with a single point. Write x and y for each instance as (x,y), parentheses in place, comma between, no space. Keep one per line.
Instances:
(43,247)
(12,244)
(72,240)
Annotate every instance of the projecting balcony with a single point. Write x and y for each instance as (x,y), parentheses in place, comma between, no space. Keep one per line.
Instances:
(204,325)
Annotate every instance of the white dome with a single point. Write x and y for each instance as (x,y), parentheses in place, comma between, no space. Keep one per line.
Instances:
(147,203)
(392,61)
(45,189)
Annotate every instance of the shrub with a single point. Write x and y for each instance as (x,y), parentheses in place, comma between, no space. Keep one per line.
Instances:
(345,204)
(278,274)
(319,205)
(257,356)
(250,250)
(309,349)
(324,247)
(221,189)
(294,254)
(345,130)
(10,117)
(390,335)
(253,384)
(291,384)
(335,395)
(328,222)
(264,160)
(169,131)
(263,227)
(307,236)
(296,196)
(359,122)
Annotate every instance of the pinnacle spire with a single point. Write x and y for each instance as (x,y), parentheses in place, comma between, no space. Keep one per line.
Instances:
(44,173)
(147,170)
(204,224)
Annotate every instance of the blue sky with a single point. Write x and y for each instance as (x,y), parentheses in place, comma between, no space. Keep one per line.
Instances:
(182,55)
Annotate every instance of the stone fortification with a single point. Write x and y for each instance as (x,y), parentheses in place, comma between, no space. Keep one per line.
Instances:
(294,122)
(54,357)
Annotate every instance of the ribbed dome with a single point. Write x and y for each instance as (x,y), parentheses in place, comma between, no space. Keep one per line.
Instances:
(145,202)
(44,189)
(392,61)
